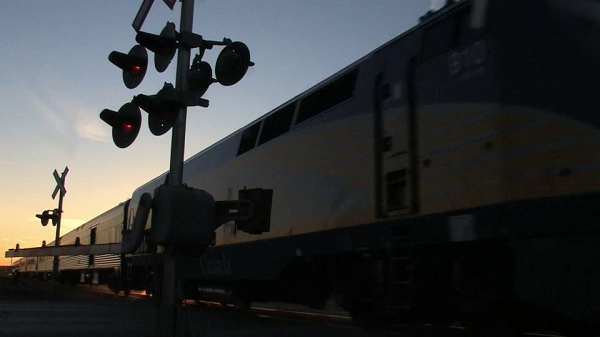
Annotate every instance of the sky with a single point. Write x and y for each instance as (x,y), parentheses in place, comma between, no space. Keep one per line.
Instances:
(55,78)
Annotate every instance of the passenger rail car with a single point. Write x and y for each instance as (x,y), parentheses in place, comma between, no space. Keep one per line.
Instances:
(451,174)
(98,269)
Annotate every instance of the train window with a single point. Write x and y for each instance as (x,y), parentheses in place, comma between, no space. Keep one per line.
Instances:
(396,190)
(249,138)
(93,236)
(327,97)
(277,124)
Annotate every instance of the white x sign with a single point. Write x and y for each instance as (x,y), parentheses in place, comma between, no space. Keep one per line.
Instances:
(138,21)
(60,183)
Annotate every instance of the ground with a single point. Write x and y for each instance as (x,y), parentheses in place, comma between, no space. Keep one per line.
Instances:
(27,288)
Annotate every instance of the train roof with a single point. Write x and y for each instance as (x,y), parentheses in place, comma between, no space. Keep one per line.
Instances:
(424,20)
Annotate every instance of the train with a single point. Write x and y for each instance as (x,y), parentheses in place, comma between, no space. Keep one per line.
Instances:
(452,174)
(97,269)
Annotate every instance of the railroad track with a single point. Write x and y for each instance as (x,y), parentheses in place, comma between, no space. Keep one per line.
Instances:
(340,318)
(335,318)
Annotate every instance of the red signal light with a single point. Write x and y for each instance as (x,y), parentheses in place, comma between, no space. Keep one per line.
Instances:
(133,64)
(125,124)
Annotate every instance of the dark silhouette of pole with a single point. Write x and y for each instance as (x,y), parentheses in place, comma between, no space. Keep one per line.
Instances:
(57,239)
(171,283)
(60,188)
(183,64)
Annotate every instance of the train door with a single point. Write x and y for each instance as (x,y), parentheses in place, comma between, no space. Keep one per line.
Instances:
(92,242)
(396,140)
(127,219)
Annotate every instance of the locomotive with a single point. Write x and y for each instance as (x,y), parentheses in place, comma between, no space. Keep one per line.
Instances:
(449,175)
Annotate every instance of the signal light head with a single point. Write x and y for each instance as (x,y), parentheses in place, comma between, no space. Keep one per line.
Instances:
(199,76)
(160,123)
(134,65)
(232,63)
(162,109)
(44,217)
(125,124)
(54,216)
(163,46)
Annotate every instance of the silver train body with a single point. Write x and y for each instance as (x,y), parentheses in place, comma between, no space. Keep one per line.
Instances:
(105,228)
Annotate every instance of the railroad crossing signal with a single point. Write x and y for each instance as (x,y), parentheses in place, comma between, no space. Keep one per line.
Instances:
(134,65)
(164,45)
(125,123)
(166,109)
(49,215)
(232,64)
(199,77)
(56,214)
(163,107)
(60,183)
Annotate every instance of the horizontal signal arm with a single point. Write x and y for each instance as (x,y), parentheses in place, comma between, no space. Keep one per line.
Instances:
(108,248)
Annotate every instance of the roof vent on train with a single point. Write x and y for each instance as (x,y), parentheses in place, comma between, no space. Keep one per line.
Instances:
(434,8)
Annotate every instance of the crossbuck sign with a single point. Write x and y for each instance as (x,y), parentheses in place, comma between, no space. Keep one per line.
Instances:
(60,183)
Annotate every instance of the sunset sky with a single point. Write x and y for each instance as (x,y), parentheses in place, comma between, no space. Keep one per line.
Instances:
(55,78)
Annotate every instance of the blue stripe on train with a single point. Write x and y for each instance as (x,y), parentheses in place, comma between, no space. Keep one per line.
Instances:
(517,220)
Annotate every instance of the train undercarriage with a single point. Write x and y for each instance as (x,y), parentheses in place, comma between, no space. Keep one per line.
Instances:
(470,283)
(478,284)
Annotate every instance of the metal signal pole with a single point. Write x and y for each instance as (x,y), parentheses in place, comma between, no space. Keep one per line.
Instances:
(183,64)
(171,285)
(60,187)
(232,64)
(57,239)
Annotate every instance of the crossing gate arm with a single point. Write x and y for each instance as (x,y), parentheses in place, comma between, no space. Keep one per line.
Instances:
(108,248)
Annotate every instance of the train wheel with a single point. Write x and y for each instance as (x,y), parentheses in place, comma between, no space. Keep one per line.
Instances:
(114,284)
